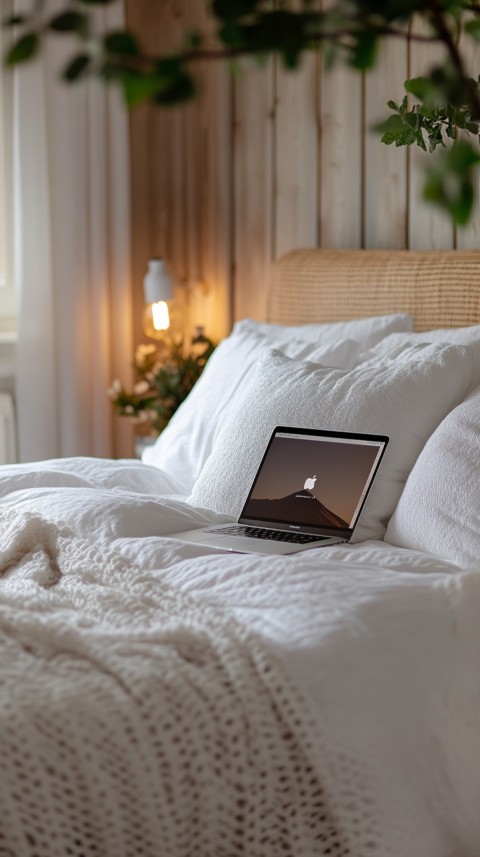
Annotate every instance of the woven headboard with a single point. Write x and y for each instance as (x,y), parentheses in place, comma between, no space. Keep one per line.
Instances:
(439,288)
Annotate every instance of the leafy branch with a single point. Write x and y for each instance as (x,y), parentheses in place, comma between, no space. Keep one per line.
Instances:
(440,110)
(165,377)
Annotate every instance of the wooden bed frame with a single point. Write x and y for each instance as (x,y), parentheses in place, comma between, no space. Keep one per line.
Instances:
(439,288)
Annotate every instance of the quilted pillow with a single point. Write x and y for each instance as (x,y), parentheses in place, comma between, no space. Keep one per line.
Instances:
(367,331)
(184,446)
(438,511)
(454,335)
(404,397)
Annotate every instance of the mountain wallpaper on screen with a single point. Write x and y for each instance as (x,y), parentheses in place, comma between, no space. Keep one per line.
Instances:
(329,476)
(300,507)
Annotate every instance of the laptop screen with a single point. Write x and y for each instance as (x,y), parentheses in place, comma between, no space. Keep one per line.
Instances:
(314,481)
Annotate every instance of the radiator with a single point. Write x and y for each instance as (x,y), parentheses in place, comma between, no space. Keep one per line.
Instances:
(8,445)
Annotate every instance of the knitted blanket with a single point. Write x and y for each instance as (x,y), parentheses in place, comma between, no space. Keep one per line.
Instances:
(133,721)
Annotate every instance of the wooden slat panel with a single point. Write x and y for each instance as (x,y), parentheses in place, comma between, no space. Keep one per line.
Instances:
(238,178)
(296,166)
(296,157)
(147,192)
(341,159)
(341,156)
(253,141)
(208,176)
(429,228)
(181,177)
(172,176)
(217,202)
(385,189)
(159,179)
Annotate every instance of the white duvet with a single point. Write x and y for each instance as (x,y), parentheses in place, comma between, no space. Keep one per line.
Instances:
(383,643)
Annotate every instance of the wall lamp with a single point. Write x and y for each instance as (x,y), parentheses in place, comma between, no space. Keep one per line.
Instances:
(158,292)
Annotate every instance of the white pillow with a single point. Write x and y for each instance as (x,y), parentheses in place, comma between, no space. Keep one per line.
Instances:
(184,446)
(455,335)
(367,331)
(439,510)
(404,398)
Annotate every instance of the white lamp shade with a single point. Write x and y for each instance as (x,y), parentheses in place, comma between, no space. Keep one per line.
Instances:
(158,282)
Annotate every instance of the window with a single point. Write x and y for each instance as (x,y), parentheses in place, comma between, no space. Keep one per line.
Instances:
(7,293)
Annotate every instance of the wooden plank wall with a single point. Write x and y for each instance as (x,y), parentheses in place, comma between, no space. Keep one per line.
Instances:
(265,161)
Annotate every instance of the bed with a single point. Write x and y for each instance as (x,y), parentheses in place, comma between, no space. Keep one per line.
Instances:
(167,700)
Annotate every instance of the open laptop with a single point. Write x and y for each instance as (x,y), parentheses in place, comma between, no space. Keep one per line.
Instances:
(308,492)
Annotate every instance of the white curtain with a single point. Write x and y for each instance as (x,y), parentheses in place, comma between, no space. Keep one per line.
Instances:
(72,233)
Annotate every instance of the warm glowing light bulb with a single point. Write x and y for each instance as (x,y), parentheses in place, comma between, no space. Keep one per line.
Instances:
(160,316)
(157,292)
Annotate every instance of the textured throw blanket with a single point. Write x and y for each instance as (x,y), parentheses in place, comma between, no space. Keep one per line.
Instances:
(133,721)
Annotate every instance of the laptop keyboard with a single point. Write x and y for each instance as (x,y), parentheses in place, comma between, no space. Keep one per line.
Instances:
(272,535)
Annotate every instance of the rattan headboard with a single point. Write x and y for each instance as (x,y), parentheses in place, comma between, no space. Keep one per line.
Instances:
(439,288)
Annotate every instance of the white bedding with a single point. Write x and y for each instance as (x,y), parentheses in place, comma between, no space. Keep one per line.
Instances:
(382,641)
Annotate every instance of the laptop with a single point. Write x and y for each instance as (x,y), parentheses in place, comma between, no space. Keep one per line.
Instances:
(308,492)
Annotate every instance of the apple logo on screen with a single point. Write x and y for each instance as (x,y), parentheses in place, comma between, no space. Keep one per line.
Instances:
(310,482)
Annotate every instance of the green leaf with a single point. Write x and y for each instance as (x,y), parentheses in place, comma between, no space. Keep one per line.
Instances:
(180,89)
(290,59)
(435,138)
(473,29)
(231,34)
(139,88)
(24,49)
(397,129)
(121,42)
(168,67)
(76,68)
(462,157)
(364,52)
(231,9)
(420,141)
(420,87)
(462,207)
(392,124)
(450,181)
(428,112)
(69,22)
(412,119)
(457,204)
